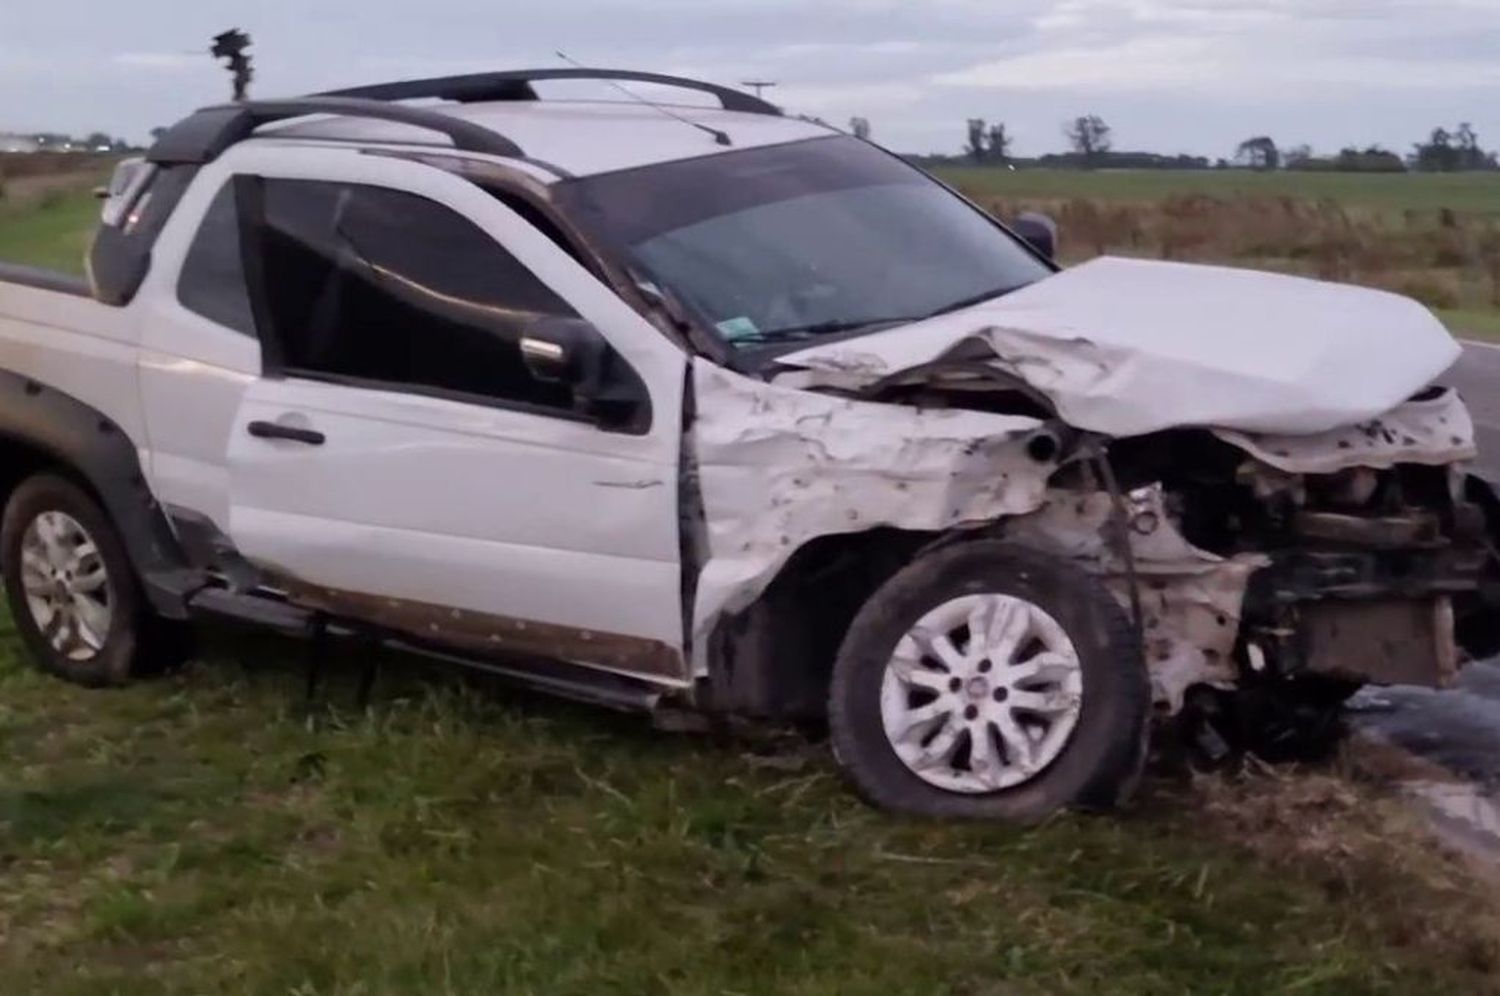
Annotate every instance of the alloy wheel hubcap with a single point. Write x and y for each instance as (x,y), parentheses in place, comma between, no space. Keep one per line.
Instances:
(66,587)
(982,694)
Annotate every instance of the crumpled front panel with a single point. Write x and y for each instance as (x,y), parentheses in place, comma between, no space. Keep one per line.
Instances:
(1433,431)
(1190,599)
(778,467)
(1125,347)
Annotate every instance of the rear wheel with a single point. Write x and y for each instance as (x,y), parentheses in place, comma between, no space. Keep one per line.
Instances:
(990,681)
(71,589)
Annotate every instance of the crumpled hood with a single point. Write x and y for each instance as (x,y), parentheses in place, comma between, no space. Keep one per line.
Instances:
(1125,347)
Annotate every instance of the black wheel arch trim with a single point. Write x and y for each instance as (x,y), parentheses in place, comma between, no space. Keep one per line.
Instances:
(83,440)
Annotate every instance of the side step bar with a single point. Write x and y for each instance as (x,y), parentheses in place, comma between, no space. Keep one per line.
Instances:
(568,681)
(564,680)
(257,611)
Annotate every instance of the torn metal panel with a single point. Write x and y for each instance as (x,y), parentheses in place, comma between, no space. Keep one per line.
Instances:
(1386,641)
(1191,600)
(778,467)
(1126,347)
(1433,430)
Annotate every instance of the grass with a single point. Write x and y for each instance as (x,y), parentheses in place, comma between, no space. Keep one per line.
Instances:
(1474,323)
(207,833)
(1432,238)
(204,833)
(50,230)
(1477,193)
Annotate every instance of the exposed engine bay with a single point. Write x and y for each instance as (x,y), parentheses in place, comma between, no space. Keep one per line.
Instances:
(1239,571)
(1340,558)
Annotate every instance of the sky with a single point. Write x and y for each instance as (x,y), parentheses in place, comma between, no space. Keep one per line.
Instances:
(1193,76)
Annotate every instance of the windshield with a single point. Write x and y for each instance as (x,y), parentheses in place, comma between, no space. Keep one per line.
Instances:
(792,242)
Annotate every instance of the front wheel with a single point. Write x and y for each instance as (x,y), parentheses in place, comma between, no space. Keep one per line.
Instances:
(990,681)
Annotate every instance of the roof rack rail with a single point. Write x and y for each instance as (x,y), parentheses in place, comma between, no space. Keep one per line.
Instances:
(516,85)
(204,135)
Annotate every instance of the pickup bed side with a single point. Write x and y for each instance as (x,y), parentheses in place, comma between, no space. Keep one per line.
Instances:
(46,280)
(58,345)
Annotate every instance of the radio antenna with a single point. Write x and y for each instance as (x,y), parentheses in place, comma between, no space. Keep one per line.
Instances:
(722,137)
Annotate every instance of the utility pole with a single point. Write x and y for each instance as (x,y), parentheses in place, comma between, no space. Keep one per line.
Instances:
(759,86)
(231,45)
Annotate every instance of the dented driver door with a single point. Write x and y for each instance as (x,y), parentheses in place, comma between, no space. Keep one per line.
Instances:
(400,461)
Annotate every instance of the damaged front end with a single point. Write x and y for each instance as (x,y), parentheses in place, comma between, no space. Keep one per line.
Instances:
(1312,561)
(1258,555)
(1318,562)
(1270,499)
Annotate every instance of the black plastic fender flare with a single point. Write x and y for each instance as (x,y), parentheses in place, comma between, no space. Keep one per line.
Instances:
(85,441)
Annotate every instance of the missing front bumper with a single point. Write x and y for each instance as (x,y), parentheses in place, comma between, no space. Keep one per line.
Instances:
(1382,641)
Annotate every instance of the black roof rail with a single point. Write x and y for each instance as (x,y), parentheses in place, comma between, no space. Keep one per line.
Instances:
(515,84)
(204,135)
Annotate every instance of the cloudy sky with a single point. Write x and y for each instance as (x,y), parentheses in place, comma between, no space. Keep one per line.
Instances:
(1168,75)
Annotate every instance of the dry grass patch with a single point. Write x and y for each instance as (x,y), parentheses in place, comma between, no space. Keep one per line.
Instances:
(1443,258)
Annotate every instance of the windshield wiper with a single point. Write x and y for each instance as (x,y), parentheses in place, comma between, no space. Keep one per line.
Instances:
(797,333)
(969,302)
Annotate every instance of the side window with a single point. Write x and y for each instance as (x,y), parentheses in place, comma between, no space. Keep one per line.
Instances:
(212,282)
(378,286)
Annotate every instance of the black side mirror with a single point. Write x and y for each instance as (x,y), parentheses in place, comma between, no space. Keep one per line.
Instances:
(567,351)
(571,352)
(1039,231)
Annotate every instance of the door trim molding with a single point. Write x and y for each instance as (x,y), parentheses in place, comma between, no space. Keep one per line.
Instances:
(483,633)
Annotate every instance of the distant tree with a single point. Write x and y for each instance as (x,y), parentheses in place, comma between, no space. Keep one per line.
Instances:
(1259,153)
(1373,159)
(860,128)
(1466,137)
(1470,155)
(999,143)
(1089,136)
(1297,155)
(976,148)
(1438,154)
(99,140)
(157,133)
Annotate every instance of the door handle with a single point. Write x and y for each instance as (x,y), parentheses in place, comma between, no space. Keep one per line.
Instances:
(275,430)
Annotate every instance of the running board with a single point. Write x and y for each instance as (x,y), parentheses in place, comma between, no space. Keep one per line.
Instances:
(564,680)
(567,681)
(256,610)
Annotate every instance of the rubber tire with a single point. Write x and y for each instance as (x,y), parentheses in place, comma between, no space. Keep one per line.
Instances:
(125,651)
(1102,761)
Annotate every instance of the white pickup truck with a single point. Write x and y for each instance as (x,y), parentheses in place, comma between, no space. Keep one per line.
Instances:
(712,410)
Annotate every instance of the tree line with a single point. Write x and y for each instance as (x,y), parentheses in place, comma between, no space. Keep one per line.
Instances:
(1091,146)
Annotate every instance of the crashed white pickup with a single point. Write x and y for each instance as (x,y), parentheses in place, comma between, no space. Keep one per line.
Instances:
(759,422)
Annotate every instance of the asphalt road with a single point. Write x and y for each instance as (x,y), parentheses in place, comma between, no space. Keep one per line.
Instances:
(1458,728)
(1477,377)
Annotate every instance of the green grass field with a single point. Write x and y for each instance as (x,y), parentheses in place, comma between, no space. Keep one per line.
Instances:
(1477,193)
(206,833)
(1433,237)
(52,231)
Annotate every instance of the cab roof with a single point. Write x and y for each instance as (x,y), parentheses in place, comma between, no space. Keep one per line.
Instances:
(576,137)
(501,114)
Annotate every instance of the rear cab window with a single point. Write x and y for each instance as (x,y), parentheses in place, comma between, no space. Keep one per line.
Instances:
(212,281)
